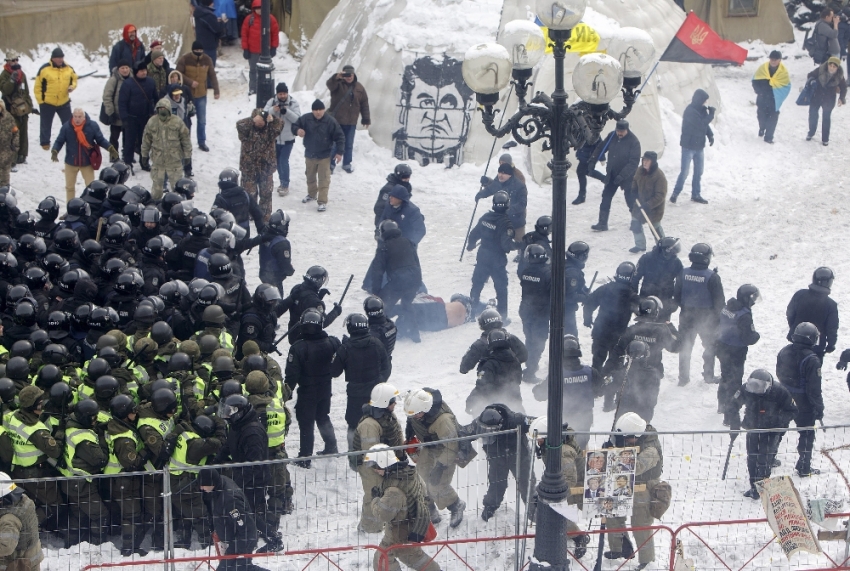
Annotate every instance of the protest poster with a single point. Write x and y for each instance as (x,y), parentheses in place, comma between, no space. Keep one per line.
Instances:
(609,482)
(786,517)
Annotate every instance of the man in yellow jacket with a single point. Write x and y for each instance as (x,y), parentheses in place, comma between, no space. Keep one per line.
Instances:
(53,86)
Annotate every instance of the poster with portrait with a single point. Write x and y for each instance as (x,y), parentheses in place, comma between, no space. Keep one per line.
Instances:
(609,482)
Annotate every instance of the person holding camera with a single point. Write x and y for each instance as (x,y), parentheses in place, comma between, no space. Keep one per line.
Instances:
(257,160)
(285,108)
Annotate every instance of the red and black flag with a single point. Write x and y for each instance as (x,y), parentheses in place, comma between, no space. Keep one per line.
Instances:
(696,42)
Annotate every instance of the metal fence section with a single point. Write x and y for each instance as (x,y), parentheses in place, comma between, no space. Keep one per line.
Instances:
(718,527)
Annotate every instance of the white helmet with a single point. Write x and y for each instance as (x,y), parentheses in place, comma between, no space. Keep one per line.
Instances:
(538,425)
(379,455)
(630,423)
(383,395)
(418,401)
(6,484)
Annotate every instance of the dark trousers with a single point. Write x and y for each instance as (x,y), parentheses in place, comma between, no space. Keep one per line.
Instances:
(535,327)
(402,291)
(88,516)
(311,413)
(482,272)
(761,450)
(732,361)
(582,173)
(602,349)
(768,118)
(115,132)
(608,195)
(805,418)
(47,112)
(134,128)
(570,327)
(501,461)
(282,153)
(691,325)
(349,131)
(23,140)
(813,121)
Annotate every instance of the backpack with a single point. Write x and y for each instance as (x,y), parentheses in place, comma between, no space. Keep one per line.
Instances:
(812,46)
(660,496)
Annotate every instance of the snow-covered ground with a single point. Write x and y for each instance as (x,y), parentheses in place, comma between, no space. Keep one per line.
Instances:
(775,213)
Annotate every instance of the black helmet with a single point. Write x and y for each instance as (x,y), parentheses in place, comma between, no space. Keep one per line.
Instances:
(31,247)
(219,266)
(6,243)
(7,389)
(223,364)
(536,254)
(143,194)
(490,420)
(402,170)
(121,406)
(669,246)
(55,265)
(35,278)
(133,212)
(373,306)
(179,214)
(650,306)
(97,368)
(200,225)
(700,254)
(356,323)
(106,387)
(172,291)
(229,388)
(625,271)
(179,361)
(118,217)
(501,201)
(497,339)
(39,339)
(81,315)
(117,234)
(48,208)
(123,171)
(210,294)
(157,246)
(266,296)
(78,208)
(317,275)
(17,293)
(151,214)
(26,221)
(8,264)
(22,348)
(195,286)
(235,408)
(638,349)
(164,401)
(130,282)
(544,224)
(110,176)
(115,196)
(162,333)
(489,319)
(186,187)
(805,333)
(311,321)
(68,280)
(228,178)
(101,318)
(155,301)
(222,239)
(61,394)
(169,201)
(255,362)
(90,250)
(748,295)
(823,277)
(759,382)
(7,199)
(48,376)
(18,369)
(203,425)
(25,313)
(55,354)
(86,412)
(579,251)
(110,355)
(66,241)
(113,267)
(572,348)
(145,314)
(279,222)
(386,227)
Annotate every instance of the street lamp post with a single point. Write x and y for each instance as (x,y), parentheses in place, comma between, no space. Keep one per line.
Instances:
(597,79)
(265,67)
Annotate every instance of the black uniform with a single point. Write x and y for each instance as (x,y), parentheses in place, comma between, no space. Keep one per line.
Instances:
(815,306)
(366,364)
(397,258)
(384,195)
(502,457)
(478,351)
(575,292)
(499,378)
(302,297)
(235,300)
(241,204)
(798,369)
(259,326)
(536,284)
(773,409)
(187,250)
(735,333)
(581,385)
(657,276)
(623,161)
(308,367)
(382,328)
(496,234)
(699,294)
(533,237)
(276,261)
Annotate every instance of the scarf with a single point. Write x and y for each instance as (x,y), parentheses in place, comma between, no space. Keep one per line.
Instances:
(81,137)
(780,81)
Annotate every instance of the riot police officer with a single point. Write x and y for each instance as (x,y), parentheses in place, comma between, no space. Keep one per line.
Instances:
(496,234)
(735,333)
(536,284)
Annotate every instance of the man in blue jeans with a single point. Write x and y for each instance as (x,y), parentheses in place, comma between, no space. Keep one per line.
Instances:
(283,107)
(348,102)
(198,71)
(695,130)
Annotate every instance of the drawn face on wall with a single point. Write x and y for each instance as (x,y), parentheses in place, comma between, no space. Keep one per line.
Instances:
(435,109)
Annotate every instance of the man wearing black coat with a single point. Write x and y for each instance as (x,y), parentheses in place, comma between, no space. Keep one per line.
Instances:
(399,176)
(623,161)
(536,284)
(815,306)
(407,215)
(208,29)
(309,368)
(499,376)
(135,106)
(769,405)
(517,192)
(238,202)
(798,369)
(735,333)
(540,235)
(396,258)
(322,134)
(233,518)
(496,233)
(695,130)
(304,296)
(575,289)
(489,320)
(657,272)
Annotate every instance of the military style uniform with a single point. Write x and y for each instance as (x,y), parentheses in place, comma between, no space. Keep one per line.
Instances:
(9,145)
(20,546)
(16,96)
(168,146)
(153,430)
(376,426)
(436,464)
(257,159)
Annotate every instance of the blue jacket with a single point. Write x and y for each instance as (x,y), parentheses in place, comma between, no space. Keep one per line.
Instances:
(123,50)
(225,8)
(207,27)
(74,151)
(137,98)
(410,220)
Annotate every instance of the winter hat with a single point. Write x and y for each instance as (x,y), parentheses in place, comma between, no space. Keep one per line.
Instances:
(622,125)
(400,192)
(196,45)
(281,88)
(348,69)
(139,67)
(155,43)
(775,54)
(250,348)
(207,2)
(256,383)
(57,53)
(10,55)
(157,53)
(834,60)
(506,158)
(123,62)
(506,168)
(209,477)
(652,155)
(317,104)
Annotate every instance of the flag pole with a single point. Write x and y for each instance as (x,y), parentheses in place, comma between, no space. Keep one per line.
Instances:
(647,79)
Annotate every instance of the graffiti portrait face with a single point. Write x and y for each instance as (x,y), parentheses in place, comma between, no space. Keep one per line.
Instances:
(437,117)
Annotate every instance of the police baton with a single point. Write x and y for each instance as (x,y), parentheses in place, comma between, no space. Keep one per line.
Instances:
(596,273)
(345,291)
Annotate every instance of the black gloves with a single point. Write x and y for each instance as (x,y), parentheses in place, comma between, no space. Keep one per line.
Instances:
(377,492)
(843,360)
(485,180)
(607,444)
(711,141)
(323,292)
(829,348)
(246,54)
(479,196)
(436,474)
(335,312)
(145,163)
(187,168)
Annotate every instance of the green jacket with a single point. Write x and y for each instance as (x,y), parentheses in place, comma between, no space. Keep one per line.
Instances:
(166,141)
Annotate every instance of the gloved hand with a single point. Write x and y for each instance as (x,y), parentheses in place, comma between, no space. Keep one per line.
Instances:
(829,348)
(18,75)
(210,410)
(470,246)
(436,474)
(113,153)
(479,195)
(187,168)
(711,141)
(145,163)
(711,110)
(485,180)
(246,54)
(843,360)
(607,444)
(273,52)
(323,292)
(54,155)
(377,492)
(336,311)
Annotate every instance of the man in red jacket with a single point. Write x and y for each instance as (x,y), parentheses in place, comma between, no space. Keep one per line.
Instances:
(252,45)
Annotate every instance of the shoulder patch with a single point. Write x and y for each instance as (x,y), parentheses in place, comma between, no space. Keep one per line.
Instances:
(131,456)
(250,330)
(289,359)
(286,254)
(51,441)
(234,513)
(151,439)
(573,282)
